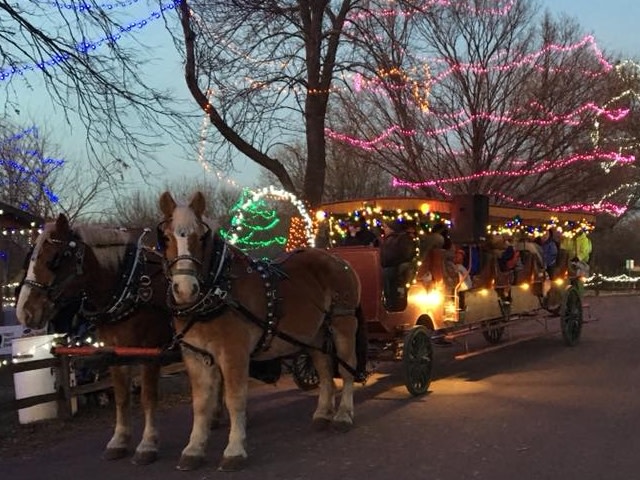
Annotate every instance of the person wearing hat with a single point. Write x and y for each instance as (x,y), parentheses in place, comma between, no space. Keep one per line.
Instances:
(359,234)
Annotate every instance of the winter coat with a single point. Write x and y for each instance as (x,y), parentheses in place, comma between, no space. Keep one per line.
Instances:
(397,248)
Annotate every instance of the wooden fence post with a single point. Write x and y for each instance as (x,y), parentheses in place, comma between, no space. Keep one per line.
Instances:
(64,389)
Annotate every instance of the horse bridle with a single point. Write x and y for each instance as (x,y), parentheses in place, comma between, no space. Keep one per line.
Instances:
(169,265)
(73,248)
(209,278)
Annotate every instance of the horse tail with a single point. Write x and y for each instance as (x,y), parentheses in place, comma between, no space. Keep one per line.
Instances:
(361,346)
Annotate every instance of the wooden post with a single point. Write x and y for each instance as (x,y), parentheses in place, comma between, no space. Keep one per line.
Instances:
(64,388)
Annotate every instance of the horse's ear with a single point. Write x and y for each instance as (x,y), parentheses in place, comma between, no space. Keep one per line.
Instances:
(198,204)
(167,204)
(62,223)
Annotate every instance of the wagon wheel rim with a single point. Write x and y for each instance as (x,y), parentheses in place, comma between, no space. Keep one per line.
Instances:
(304,373)
(418,361)
(571,318)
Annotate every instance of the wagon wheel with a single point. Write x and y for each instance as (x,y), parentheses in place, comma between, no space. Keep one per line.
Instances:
(571,317)
(304,373)
(417,358)
(492,331)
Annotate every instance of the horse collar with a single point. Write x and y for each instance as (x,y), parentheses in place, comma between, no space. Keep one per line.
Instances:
(132,289)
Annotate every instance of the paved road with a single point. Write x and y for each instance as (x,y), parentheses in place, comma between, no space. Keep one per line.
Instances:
(538,410)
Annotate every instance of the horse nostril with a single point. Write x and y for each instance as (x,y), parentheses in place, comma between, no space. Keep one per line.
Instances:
(176,289)
(195,289)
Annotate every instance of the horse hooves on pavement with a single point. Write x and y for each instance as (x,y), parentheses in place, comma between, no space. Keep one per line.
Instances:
(144,458)
(320,424)
(115,453)
(341,426)
(190,462)
(232,464)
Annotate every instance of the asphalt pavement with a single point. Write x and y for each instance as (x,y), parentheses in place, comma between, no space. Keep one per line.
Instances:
(532,411)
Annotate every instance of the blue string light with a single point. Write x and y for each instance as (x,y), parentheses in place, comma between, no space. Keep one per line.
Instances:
(27,173)
(17,136)
(85,7)
(88,45)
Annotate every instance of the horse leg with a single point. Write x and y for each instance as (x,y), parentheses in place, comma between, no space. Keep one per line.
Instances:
(344,337)
(147,450)
(326,395)
(217,396)
(118,446)
(201,377)
(235,375)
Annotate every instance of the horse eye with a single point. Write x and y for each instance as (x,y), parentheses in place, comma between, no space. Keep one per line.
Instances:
(54,263)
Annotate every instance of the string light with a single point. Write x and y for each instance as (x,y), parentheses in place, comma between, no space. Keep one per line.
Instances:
(85,7)
(374,217)
(516,228)
(629,93)
(252,202)
(570,118)
(428,4)
(538,170)
(396,79)
(35,176)
(87,46)
(599,207)
(525,60)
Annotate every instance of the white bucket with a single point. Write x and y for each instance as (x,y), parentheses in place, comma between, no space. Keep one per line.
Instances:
(36,382)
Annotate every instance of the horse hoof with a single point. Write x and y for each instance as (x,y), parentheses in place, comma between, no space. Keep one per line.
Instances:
(144,458)
(115,453)
(189,462)
(232,464)
(320,424)
(341,426)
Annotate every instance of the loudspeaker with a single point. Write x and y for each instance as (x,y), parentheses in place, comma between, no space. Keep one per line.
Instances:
(469,218)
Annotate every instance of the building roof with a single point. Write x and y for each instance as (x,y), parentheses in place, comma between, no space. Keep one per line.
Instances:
(13,217)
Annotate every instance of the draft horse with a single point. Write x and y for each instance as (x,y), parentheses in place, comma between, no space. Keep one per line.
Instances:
(231,309)
(121,289)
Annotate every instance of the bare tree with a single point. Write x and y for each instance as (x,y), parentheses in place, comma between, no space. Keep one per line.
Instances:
(460,99)
(36,179)
(84,56)
(140,208)
(349,175)
(264,72)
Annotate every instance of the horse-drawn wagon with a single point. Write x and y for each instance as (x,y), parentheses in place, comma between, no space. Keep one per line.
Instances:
(490,299)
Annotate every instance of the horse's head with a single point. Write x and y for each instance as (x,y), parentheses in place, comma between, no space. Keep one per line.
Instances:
(182,236)
(52,271)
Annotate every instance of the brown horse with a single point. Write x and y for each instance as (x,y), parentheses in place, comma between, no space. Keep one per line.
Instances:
(123,292)
(231,309)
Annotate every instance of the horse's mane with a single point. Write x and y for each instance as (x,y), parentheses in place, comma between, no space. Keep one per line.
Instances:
(108,244)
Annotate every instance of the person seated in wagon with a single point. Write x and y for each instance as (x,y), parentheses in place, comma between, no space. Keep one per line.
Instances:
(397,253)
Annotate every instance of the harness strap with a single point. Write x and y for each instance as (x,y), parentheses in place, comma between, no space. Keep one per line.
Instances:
(208,359)
(288,338)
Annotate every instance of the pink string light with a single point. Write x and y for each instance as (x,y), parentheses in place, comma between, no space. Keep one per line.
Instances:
(600,207)
(588,41)
(544,167)
(499,10)
(382,140)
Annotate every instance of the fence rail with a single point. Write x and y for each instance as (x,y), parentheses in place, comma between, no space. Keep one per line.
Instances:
(65,392)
